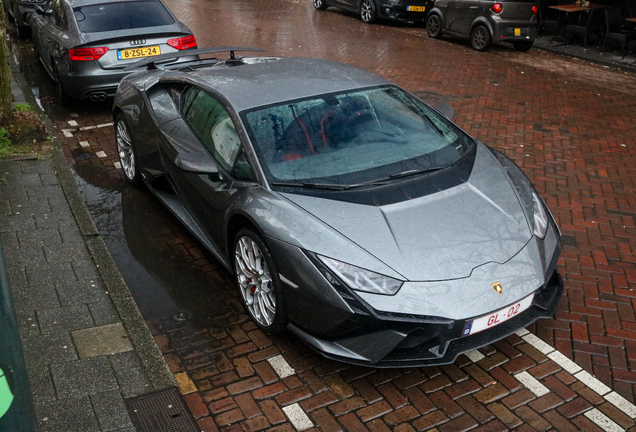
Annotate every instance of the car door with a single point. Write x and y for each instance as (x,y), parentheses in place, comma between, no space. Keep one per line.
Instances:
(208,196)
(460,15)
(53,34)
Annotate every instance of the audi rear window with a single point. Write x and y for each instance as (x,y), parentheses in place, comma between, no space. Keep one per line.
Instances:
(121,16)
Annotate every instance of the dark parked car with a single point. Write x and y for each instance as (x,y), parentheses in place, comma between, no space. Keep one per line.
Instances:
(485,22)
(371,10)
(19,12)
(85,45)
(16,407)
(352,213)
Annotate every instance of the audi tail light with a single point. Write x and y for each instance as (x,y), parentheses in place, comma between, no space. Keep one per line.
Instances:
(496,8)
(86,54)
(183,43)
(535,9)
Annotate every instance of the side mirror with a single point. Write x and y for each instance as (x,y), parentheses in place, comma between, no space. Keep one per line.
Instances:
(199,162)
(445,109)
(40,10)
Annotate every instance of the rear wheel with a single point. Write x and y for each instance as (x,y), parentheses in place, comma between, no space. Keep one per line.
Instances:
(126,151)
(434,26)
(368,12)
(522,46)
(258,281)
(320,4)
(480,38)
(62,96)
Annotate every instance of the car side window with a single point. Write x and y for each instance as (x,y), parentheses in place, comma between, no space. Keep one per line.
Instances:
(58,17)
(212,124)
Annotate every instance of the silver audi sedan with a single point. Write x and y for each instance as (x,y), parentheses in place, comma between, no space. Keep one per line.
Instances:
(84,45)
(353,215)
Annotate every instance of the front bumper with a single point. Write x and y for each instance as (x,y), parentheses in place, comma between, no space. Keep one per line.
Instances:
(409,11)
(408,340)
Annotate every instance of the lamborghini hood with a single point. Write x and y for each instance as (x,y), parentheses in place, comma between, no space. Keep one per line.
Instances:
(440,236)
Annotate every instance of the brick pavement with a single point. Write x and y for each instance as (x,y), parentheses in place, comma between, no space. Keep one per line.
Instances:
(567,123)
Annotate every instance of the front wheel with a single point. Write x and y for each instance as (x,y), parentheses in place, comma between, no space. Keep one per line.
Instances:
(480,38)
(522,46)
(126,151)
(368,12)
(320,4)
(258,281)
(434,26)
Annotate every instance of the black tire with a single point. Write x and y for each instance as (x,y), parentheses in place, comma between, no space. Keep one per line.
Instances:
(320,4)
(6,12)
(480,38)
(126,151)
(62,96)
(522,46)
(24,32)
(434,26)
(267,282)
(368,11)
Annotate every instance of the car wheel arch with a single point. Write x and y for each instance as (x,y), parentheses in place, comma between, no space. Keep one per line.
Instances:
(237,222)
(482,21)
(437,11)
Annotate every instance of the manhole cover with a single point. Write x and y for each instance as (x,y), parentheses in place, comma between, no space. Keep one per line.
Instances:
(161,411)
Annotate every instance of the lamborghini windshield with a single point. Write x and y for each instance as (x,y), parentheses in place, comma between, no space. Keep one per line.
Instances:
(352,137)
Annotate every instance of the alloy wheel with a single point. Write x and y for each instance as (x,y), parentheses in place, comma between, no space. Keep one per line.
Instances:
(126,152)
(367,11)
(480,38)
(254,281)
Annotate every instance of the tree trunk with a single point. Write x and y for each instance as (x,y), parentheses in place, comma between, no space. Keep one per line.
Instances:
(5,71)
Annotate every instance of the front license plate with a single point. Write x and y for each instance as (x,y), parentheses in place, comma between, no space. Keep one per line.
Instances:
(134,53)
(496,318)
(517,32)
(416,8)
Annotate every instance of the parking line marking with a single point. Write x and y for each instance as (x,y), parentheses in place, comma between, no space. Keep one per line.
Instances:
(622,404)
(564,362)
(537,343)
(592,382)
(280,365)
(84,144)
(603,421)
(532,384)
(100,154)
(72,123)
(67,133)
(297,417)
(96,127)
(117,165)
(475,356)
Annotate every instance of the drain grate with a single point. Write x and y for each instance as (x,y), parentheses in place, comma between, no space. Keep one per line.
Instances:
(161,411)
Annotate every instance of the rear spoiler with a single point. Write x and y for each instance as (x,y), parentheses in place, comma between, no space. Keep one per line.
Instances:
(151,62)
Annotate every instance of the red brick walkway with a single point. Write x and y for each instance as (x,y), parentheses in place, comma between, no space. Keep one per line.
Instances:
(570,125)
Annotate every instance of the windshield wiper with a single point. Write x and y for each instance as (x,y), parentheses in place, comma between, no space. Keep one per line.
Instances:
(327,186)
(412,172)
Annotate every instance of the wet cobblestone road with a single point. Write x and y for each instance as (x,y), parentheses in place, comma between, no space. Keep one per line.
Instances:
(570,126)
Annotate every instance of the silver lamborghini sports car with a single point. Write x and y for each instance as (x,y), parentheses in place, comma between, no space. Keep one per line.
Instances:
(352,214)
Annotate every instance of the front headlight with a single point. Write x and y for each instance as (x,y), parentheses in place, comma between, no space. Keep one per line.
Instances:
(531,202)
(362,280)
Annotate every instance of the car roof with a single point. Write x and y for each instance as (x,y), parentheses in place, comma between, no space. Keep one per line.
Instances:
(75,3)
(277,80)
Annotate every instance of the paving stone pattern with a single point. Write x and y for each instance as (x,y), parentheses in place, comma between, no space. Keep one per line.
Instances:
(569,125)
(58,295)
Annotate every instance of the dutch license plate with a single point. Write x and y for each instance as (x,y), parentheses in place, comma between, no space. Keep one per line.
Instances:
(517,32)
(416,8)
(134,53)
(496,318)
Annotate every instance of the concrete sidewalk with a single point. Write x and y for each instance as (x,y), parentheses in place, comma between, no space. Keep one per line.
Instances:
(86,345)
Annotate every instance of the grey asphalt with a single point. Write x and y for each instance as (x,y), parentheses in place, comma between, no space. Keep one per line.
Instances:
(86,345)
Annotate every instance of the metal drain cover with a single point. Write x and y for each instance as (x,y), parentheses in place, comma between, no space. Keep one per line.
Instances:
(161,411)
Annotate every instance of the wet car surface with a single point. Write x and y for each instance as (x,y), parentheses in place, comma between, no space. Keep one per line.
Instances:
(557,136)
